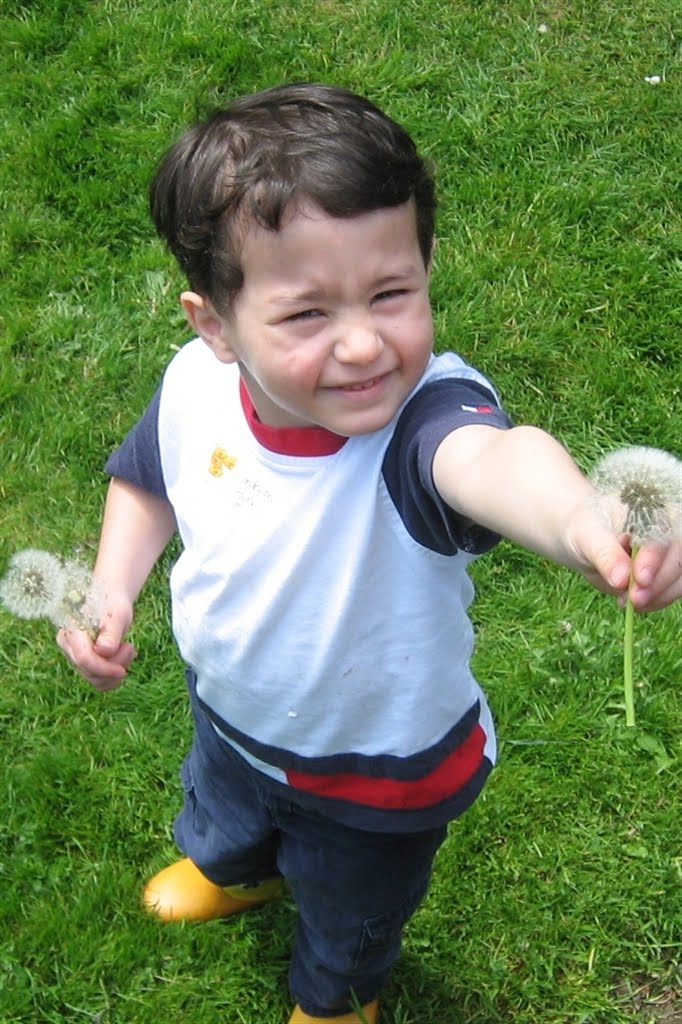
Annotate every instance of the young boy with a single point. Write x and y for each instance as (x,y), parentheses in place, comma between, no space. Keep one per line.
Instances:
(331,481)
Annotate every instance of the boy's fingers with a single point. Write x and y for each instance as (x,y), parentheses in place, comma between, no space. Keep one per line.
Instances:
(113,628)
(659,561)
(607,556)
(601,555)
(109,642)
(646,601)
(124,656)
(657,574)
(647,563)
(104,671)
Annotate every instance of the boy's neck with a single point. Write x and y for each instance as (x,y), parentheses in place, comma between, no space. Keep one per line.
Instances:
(301,441)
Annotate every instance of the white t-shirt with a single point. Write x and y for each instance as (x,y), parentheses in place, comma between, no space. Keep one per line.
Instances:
(322,591)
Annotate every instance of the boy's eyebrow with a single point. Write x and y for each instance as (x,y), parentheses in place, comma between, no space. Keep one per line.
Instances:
(315,292)
(293,297)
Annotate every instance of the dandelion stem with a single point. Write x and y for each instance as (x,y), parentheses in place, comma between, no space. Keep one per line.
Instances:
(628,659)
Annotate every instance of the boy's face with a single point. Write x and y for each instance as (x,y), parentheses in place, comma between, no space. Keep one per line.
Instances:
(332,326)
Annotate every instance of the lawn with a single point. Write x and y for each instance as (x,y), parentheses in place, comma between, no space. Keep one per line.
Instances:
(556,135)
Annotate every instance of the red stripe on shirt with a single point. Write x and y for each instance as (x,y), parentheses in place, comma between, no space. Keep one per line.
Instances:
(448,778)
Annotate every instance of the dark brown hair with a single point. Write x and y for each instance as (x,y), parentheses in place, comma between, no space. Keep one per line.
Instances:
(253,159)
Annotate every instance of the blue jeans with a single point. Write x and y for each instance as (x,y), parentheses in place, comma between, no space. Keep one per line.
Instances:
(354,890)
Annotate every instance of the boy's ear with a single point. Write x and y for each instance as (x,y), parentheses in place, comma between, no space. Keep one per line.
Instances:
(208,325)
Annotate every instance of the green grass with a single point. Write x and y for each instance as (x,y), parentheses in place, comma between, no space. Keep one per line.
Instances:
(557,898)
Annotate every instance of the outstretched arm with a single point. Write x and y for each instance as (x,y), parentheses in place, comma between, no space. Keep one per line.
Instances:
(137,527)
(524,484)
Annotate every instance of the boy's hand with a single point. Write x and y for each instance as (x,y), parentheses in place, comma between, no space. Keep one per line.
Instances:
(653,578)
(137,527)
(104,661)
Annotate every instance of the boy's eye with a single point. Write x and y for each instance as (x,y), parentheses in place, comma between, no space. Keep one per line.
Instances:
(304,314)
(390,293)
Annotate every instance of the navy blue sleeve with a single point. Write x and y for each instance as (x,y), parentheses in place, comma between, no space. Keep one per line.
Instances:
(431,414)
(138,460)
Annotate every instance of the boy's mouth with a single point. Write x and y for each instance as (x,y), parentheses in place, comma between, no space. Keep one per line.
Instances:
(362,385)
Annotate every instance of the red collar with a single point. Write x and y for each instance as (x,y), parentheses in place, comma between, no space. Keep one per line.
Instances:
(303,441)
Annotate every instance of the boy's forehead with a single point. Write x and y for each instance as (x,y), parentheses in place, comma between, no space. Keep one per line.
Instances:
(308,232)
(313,255)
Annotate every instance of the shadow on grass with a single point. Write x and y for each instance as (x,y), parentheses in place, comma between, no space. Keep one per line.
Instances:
(419,992)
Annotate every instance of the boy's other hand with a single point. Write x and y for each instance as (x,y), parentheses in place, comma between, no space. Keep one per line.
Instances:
(104,662)
(653,578)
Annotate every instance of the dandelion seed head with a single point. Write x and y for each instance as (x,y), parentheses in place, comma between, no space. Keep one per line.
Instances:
(34,584)
(82,600)
(641,493)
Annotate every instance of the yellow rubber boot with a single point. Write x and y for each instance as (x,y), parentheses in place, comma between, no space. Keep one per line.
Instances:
(181,893)
(370,1011)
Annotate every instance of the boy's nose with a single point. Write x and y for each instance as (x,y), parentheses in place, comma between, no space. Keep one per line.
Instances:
(358,343)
